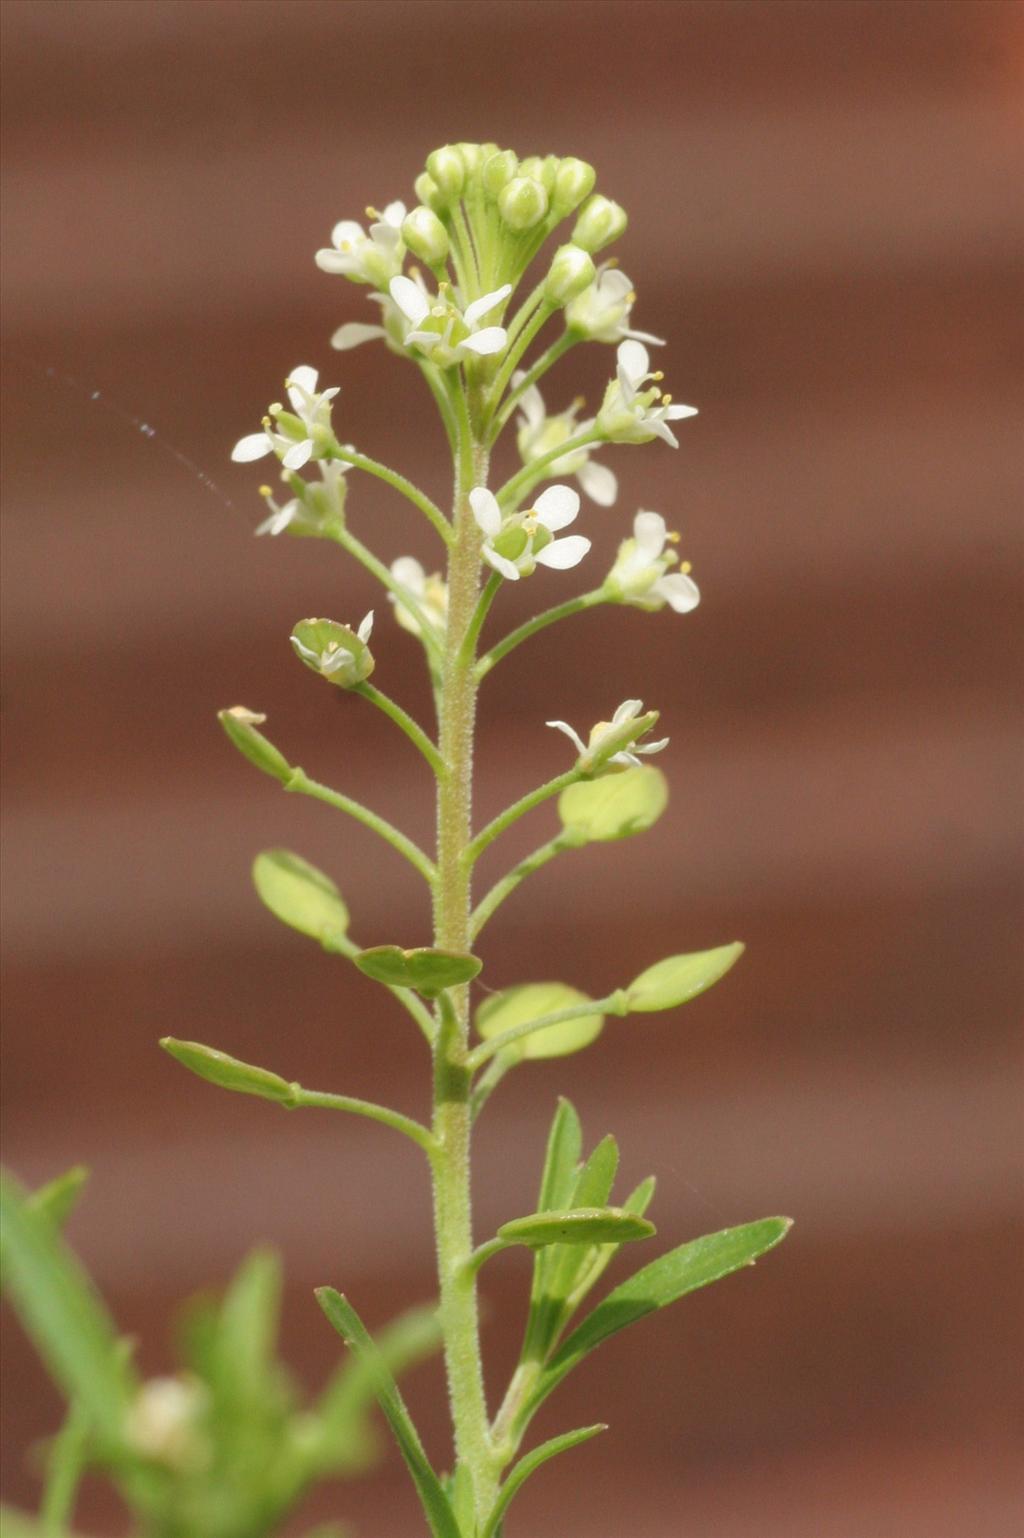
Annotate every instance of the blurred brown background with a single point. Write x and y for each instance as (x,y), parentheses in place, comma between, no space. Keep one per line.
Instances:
(825,225)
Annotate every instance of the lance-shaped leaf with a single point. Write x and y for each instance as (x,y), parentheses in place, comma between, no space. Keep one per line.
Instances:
(229,1072)
(301,896)
(240,725)
(431,1493)
(529,1465)
(426,969)
(63,1314)
(247,1327)
(682,1270)
(617,806)
(678,979)
(565,1141)
(58,1199)
(584,1225)
(556,1269)
(534,1001)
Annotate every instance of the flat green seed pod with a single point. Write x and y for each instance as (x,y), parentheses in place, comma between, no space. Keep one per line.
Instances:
(300,895)
(678,979)
(598,811)
(530,1001)
(585,1225)
(228,1072)
(425,968)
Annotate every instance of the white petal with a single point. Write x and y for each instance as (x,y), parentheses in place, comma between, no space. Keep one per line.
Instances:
(574,736)
(305,377)
(531,404)
(507,568)
(408,573)
(305,652)
(335,261)
(252,447)
(679,591)
(600,484)
(336,659)
(677,413)
(486,510)
(557,507)
(562,554)
(627,711)
(651,747)
(385,237)
(366,628)
(634,361)
(354,334)
(410,298)
(644,336)
(298,454)
(490,340)
(347,232)
(649,531)
(480,307)
(394,213)
(614,285)
(660,428)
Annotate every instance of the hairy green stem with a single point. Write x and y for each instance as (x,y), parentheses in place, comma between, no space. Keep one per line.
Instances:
(539,622)
(519,809)
(382,1113)
(530,474)
(508,883)
(399,483)
(302,785)
(415,733)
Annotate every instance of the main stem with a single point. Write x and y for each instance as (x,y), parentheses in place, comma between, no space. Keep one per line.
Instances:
(452,926)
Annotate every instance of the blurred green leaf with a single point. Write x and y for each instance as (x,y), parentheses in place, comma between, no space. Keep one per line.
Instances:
(248,1324)
(57,1200)
(527,1002)
(63,1314)
(411,1338)
(528,1465)
(351,1328)
(229,1072)
(682,1270)
(301,896)
(586,1225)
(678,979)
(426,969)
(614,807)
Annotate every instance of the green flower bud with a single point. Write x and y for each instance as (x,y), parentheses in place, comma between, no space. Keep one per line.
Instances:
(574,181)
(430,193)
(447,167)
(601,222)
(425,236)
(240,725)
(523,203)
(572,270)
(229,1072)
(334,651)
(498,171)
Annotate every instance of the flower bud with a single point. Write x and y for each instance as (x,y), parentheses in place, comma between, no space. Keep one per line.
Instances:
(574,180)
(334,651)
(240,725)
(425,236)
(572,270)
(541,169)
(523,203)
(601,222)
(447,168)
(472,157)
(229,1072)
(430,193)
(498,171)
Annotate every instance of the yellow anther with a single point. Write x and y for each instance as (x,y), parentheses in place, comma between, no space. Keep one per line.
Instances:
(265,491)
(685,566)
(659,375)
(667,399)
(674,536)
(372,213)
(631,296)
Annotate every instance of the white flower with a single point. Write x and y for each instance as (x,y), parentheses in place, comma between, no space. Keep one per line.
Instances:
(373,258)
(641,573)
(430,594)
(514,544)
(440,329)
(601,312)
(538,434)
(630,414)
(315,510)
(619,727)
(164,1421)
(307,426)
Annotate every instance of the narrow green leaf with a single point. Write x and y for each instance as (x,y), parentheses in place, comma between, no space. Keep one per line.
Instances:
(247,1325)
(409,1339)
(557,1267)
(565,1142)
(529,1465)
(614,807)
(63,1314)
(229,1072)
(527,1002)
(424,968)
(586,1225)
(431,1493)
(678,979)
(66,1461)
(596,1264)
(301,896)
(682,1270)
(57,1200)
